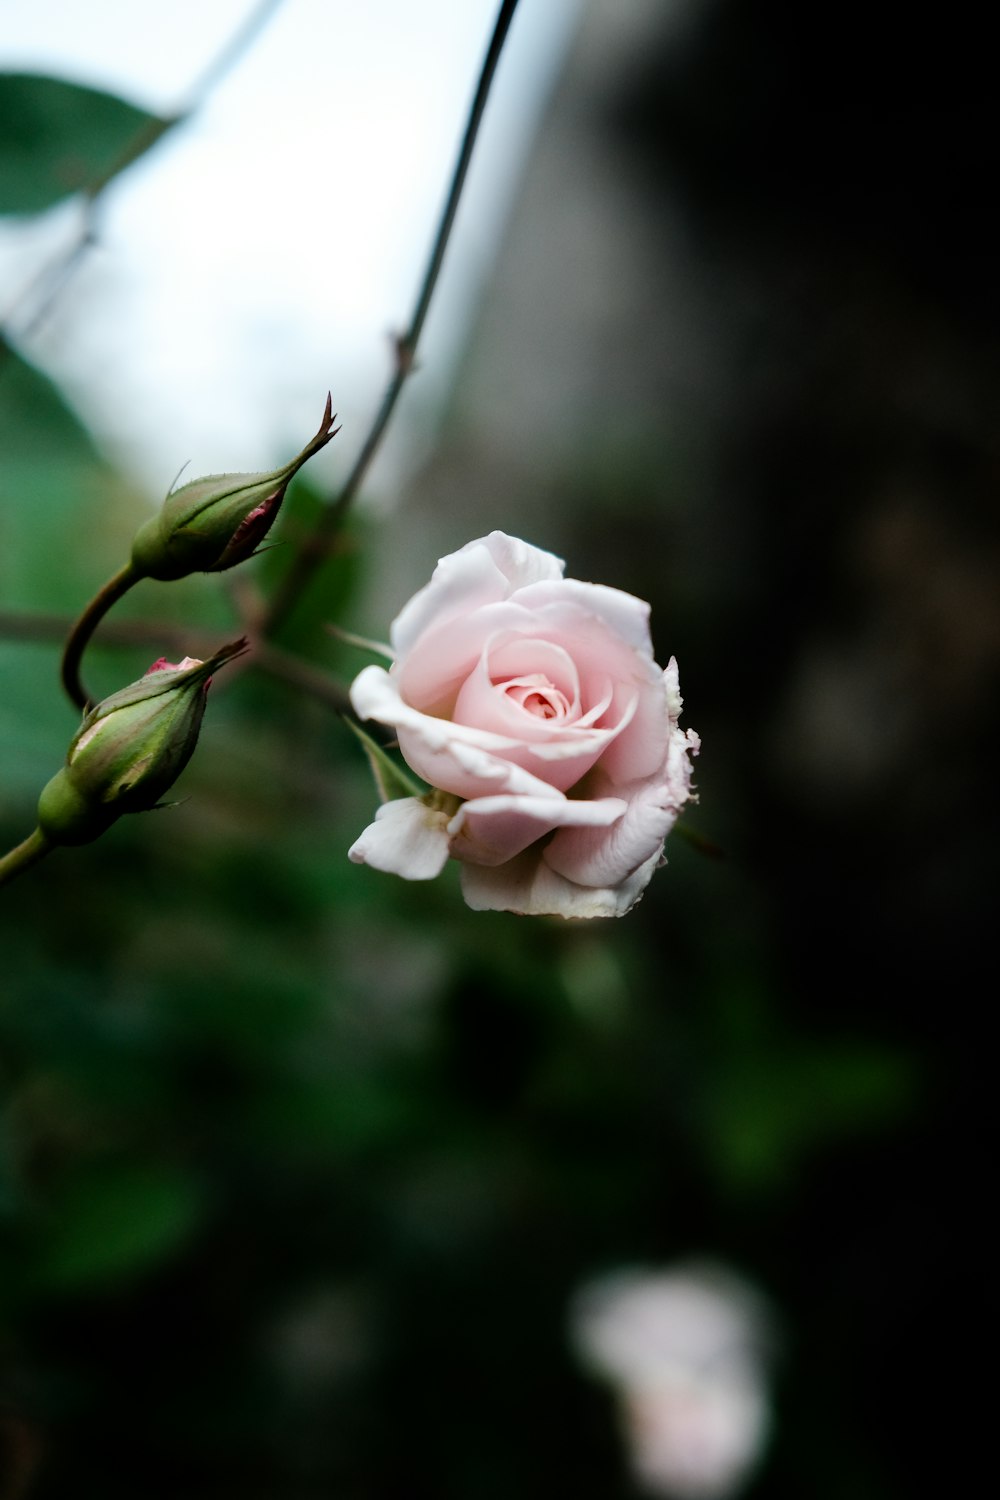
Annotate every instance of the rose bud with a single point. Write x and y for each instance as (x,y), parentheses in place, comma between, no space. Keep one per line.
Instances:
(214,523)
(130,749)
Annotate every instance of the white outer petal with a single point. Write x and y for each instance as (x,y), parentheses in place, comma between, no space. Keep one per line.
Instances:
(672,683)
(519,562)
(625,615)
(604,857)
(407,838)
(482,572)
(529,887)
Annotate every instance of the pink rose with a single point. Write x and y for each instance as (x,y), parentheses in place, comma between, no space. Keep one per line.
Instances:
(531,703)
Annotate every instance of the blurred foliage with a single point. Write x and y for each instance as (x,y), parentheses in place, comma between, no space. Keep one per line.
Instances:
(52,485)
(58,138)
(301,1165)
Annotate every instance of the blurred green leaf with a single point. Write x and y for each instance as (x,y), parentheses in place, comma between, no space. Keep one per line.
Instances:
(58,138)
(770,1109)
(114,1221)
(60,508)
(334,584)
(59,502)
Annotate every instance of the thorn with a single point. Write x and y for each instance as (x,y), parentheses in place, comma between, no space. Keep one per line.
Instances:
(404,352)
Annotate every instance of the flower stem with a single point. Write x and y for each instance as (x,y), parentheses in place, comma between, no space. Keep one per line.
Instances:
(16,861)
(84,628)
(314,549)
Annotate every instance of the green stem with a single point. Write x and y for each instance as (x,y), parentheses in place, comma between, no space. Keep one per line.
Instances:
(16,861)
(314,549)
(84,628)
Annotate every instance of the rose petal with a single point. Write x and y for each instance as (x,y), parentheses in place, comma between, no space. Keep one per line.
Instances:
(560,750)
(408,838)
(672,685)
(521,563)
(626,617)
(528,886)
(482,701)
(603,857)
(432,677)
(491,830)
(624,655)
(454,757)
(582,619)
(482,572)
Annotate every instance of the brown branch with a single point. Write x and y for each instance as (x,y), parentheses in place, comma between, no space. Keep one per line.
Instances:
(20,625)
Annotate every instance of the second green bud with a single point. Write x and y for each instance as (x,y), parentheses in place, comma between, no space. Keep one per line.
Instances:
(214,523)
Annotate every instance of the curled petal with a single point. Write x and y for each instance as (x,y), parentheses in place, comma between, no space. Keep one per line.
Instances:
(431,677)
(482,572)
(560,748)
(520,563)
(492,830)
(487,700)
(625,616)
(455,757)
(672,684)
(407,838)
(605,856)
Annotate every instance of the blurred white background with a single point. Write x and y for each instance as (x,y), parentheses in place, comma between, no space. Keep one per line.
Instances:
(267,248)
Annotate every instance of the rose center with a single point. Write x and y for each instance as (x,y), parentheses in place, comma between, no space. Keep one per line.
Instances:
(537,696)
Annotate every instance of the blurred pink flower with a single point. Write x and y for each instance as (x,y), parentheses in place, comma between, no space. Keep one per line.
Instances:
(685,1352)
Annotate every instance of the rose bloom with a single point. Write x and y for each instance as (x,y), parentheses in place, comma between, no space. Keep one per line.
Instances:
(533,707)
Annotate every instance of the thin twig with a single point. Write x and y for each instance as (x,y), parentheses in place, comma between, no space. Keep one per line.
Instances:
(46,629)
(230,53)
(22,625)
(313,550)
(47,282)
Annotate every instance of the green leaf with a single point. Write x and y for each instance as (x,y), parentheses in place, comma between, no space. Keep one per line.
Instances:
(390,778)
(116,1221)
(58,138)
(35,422)
(65,521)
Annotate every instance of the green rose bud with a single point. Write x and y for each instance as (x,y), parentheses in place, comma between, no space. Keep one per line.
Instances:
(129,750)
(214,523)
